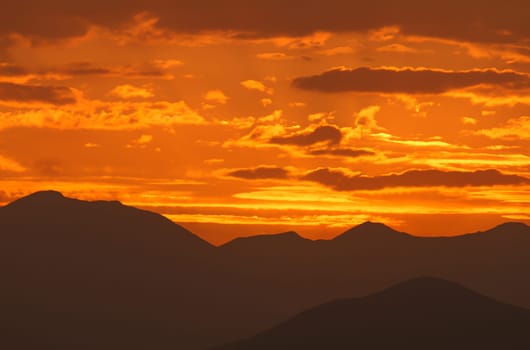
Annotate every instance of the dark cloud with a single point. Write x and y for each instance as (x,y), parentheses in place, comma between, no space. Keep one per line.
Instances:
(260,173)
(145,70)
(476,21)
(326,136)
(407,80)
(11,70)
(326,133)
(413,178)
(76,69)
(73,69)
(58,95)
(145,74)
(342,152)
(84,68)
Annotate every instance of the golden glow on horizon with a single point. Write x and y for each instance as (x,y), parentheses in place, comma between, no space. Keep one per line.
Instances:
(227,127)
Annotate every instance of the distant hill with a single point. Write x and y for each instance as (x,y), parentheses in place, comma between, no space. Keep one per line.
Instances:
(423,313)
(276,244)
(86,275)
(50,213)
(371,230)
(97,275)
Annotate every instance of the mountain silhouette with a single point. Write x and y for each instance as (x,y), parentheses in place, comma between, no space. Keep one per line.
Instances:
(78,274)
(424,313)
(275,244)
(370,230)
(100,274)
(507,230)
(51,212)
(283,239)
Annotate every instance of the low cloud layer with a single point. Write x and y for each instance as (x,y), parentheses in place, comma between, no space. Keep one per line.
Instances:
(413,178)
(260,173)
(326,133)
(490,22)
(412,81)
(342,152)
(57,95)
(11,70)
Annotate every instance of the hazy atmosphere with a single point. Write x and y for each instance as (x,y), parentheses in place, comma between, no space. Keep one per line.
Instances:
(236,118)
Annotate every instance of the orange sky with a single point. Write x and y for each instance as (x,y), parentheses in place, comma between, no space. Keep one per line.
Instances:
(242,117)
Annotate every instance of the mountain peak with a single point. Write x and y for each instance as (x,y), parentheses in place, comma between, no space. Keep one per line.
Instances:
(52,197)
(267,240)
(75,219)
(370,224)
(423,313)
(48,194)
(426,285)
(291,234)
(372,229)
(507,228)
(41,198)
(511,226)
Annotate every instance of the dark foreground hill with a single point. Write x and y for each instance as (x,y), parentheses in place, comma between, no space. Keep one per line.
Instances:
(97,275)
(423,313)
(102,275)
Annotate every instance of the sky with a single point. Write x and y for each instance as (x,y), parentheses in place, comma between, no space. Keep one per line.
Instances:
(237,118)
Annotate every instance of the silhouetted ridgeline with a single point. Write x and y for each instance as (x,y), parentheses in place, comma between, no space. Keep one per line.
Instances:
(419,314)
(101,275)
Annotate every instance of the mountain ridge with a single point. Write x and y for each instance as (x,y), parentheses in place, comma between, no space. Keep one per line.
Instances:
(147,282)
(422,313)
(48,198)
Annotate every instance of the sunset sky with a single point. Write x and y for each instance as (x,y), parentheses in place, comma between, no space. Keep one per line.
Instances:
(241,117)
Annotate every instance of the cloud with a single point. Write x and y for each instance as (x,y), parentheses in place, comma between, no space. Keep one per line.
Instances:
(10,165)
(260,134)
(327,133)
(259,173)
(92,145)
(366,118)
(342,152)
(56,95)
(408,80)
(275,56)
(398,48)
(489,22)
(256,85)
(434,142)
(83,68)
(168,64)
(239,122)
(266,102)
(493,96)
(274,117)
(156,69)
(103,115)
(340,181)
(339,50)
(140,142)
(144,139)
(297,105)
(515,129)
(488,113)
(216,96)
(127,91)
(212,161)
(10,70)
(469,120)
(153,70)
